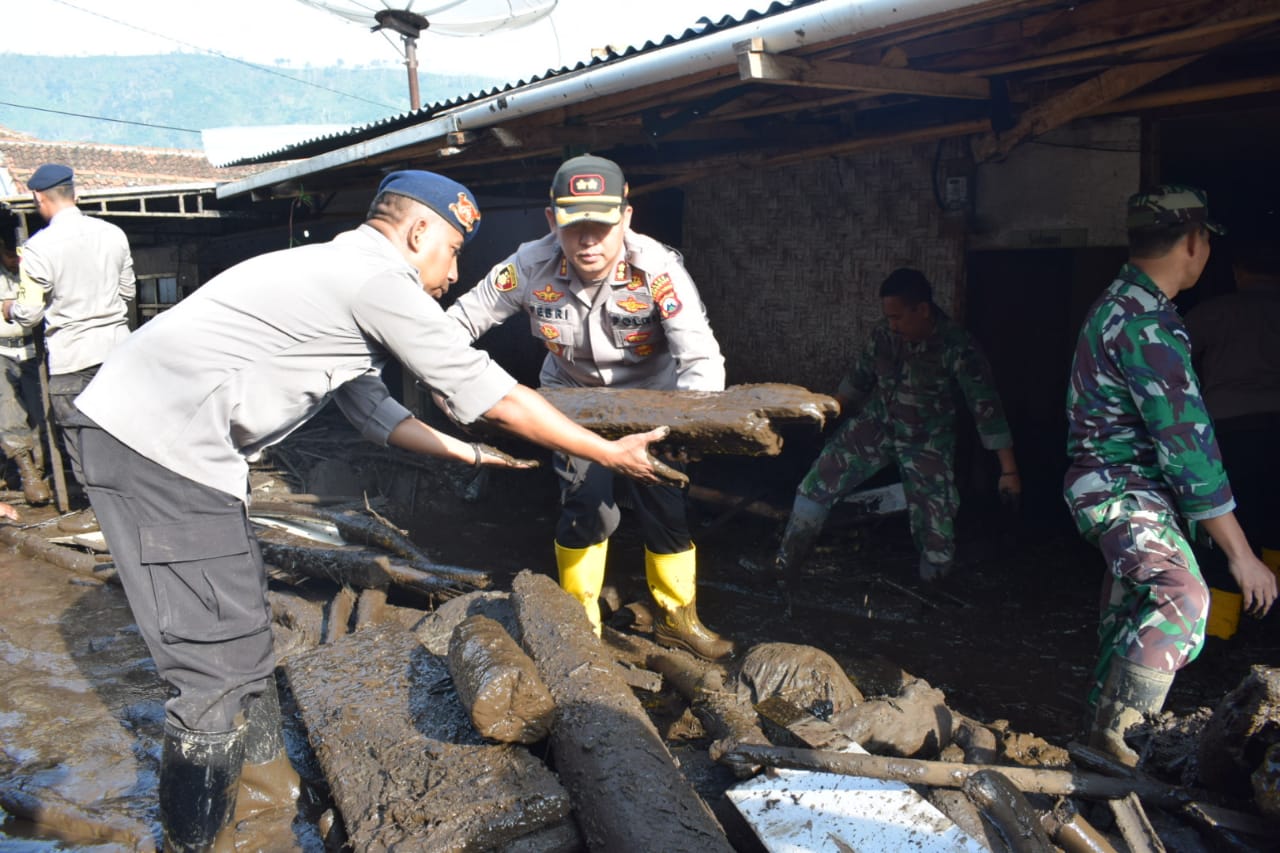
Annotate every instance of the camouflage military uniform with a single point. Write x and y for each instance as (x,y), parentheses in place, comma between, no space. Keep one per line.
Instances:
(903,399)
(1142,454)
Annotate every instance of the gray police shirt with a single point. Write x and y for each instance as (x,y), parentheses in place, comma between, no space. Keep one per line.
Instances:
(259,349)
(77,274)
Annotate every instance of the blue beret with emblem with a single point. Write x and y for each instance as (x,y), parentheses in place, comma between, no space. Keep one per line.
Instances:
(50,175)
(454,202)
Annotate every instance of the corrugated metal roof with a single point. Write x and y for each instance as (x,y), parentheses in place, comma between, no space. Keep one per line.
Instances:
(327,142)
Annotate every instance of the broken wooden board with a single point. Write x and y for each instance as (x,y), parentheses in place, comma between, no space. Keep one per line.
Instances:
(799,811)
(742,420)
(406,768)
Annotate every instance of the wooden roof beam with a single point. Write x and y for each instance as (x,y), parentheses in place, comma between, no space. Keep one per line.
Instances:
(758,65)
(1110,85)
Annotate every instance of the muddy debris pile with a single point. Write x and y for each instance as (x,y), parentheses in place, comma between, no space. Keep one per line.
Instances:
(499,721)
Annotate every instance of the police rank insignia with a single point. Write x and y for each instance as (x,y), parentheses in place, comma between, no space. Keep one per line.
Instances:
(549,294)
(506,279)
(465,212)
(549,331)
(636,283)
(632,305)
(621,273)
(664,295)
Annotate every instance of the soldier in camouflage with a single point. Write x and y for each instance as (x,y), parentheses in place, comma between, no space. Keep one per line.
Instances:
(1142,457)
(901,393)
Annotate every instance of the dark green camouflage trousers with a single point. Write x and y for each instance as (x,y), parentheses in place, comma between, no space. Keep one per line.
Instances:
(1154,602)
(862,447)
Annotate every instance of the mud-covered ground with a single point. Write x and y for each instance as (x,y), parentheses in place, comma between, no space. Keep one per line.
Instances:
(1009,637)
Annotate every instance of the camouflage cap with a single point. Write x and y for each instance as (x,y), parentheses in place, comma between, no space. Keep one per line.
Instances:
(1170,204)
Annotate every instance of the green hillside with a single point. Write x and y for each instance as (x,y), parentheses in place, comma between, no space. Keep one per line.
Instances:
(166,100)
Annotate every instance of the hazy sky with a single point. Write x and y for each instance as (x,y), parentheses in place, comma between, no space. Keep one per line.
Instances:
(273,31)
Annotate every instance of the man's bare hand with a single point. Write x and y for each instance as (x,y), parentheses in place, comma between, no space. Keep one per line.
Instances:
(1257,584)
(7,511)
(630,456)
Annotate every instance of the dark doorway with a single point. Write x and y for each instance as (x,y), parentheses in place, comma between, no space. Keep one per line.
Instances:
(1025,308)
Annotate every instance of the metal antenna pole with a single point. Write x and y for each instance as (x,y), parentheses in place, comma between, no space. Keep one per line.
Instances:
(409,25)
(411,62)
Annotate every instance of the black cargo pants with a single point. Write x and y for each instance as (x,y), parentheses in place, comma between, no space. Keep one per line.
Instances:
(193,574)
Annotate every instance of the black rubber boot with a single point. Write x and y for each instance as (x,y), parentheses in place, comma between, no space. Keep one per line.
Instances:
(268,782)
(199,775)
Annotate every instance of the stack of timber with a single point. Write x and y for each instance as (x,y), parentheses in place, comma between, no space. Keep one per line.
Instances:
(573,759)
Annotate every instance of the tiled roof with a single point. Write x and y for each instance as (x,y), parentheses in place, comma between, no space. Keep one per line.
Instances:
(99,167)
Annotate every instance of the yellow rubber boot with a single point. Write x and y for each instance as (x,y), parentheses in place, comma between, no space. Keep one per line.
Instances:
(582,576)
(673,582)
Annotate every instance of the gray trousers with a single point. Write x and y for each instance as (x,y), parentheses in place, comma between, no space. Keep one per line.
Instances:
(63,390)
(589,512)
(21,409)
(193,574)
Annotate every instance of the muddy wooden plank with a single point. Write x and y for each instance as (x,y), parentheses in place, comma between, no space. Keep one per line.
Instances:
(917,771)
(405,767)
(622,779)
(742,420)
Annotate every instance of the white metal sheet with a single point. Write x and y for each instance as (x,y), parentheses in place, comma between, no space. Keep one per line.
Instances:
(800,811)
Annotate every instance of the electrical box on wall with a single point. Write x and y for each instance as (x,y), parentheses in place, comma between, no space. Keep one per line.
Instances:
(955,193)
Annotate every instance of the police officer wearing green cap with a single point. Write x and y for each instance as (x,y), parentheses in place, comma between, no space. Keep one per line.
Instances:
(1143,459)
(169,423)
(614,309)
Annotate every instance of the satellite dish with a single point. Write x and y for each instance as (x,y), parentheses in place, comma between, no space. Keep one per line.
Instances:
(409,18)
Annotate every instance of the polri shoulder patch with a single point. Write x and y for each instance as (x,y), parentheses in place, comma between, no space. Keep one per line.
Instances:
(506,279)
(664,296)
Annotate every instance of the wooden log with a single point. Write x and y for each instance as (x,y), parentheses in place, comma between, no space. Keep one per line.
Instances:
(405,768)
(354,566)
(727,720)
(741,420)
(1135,828)
(338,617)
(498,684)
(1070,831)
(371,606)
(914,771)
(1007,808)
(35,545)
(622,780)
(363,529)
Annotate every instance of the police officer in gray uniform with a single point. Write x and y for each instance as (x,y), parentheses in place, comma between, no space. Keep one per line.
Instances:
(168,426)
(76,275)
(21,412)
(614,309)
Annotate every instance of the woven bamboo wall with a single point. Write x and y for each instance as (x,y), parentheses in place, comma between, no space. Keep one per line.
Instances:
(790,261)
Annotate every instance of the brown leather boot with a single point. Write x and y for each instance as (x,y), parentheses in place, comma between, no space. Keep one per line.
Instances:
(682,629)
(34,488)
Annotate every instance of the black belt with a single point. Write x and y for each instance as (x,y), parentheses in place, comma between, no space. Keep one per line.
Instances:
(16,342)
